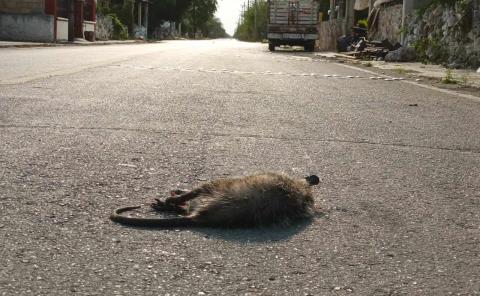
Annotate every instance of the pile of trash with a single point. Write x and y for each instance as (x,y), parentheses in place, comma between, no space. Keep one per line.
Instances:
(358,46)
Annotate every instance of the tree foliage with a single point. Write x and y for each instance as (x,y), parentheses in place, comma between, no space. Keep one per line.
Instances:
(254,23)
(195,15)
(167,10)
(122,12)
(213,28)
(199,15)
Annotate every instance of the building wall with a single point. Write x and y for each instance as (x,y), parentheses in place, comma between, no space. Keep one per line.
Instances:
(27,27)
(22,6)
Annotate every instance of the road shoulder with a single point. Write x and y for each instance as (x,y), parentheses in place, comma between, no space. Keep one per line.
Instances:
(461,81)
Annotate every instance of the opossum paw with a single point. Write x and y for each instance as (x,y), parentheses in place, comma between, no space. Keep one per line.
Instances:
(159,205)
(164,206)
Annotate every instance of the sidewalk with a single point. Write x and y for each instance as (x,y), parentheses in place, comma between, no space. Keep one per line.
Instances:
(7,44)
(416,71)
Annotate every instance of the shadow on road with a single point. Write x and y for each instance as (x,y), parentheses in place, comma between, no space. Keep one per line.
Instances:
(260,235)
(294,51)
(241,235)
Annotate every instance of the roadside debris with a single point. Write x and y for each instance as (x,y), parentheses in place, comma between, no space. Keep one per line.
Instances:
(352,41)
(358,46)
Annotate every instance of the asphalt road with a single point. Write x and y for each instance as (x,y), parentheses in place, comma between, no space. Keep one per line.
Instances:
(86,129)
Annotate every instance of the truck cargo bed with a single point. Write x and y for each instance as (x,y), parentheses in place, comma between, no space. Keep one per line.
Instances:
(292,22)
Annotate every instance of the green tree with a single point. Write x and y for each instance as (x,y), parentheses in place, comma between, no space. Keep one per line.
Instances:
(254,23)
(196,15)
(121,12)
(213,28)
(199,13)
(166,10)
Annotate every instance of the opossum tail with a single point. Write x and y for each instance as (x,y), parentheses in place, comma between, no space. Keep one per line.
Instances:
(150,222)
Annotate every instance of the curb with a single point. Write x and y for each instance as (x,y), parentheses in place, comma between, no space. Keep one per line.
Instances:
(341,58)
(96,43)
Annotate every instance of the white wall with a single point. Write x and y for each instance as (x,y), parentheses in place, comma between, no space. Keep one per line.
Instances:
(62,29)
(88,26)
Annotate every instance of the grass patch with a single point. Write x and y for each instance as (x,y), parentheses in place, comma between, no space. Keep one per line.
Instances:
(448,79)
(464,79)
(400,70)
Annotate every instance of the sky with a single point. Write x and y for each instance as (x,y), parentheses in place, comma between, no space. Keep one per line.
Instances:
(228,12)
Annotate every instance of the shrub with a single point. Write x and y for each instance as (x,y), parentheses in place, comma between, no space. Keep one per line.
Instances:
(120,31)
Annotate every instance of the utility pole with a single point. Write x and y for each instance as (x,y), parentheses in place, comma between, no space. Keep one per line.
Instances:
(476,24)
(71,16)
(146,19)
(406,10)
(243,11)
(255,20)
(194,19)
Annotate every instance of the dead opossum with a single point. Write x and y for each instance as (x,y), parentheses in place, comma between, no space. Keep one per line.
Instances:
(259,200)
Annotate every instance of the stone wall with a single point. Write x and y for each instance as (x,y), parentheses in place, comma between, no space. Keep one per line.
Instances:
(27,27)
(449,35)
(104,27)
(22,6)
(389,24)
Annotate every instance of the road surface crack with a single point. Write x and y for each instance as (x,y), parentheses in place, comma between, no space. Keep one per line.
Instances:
(245,135)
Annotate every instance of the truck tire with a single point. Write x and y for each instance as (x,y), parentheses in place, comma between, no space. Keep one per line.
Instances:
(309,46)
(271,46)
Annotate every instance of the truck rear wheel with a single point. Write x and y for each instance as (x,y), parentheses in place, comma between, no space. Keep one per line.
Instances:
(271,46)
(309,46)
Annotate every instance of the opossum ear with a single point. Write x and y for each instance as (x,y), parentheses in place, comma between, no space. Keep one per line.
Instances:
(312,180)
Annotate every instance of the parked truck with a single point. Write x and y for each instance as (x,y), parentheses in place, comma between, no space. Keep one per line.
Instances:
(292,22)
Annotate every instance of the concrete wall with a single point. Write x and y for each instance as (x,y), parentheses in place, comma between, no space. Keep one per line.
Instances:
(88,26)
(27,27)
(328,32)
(389,24)
(22,6)
(62,29)
(349,15)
